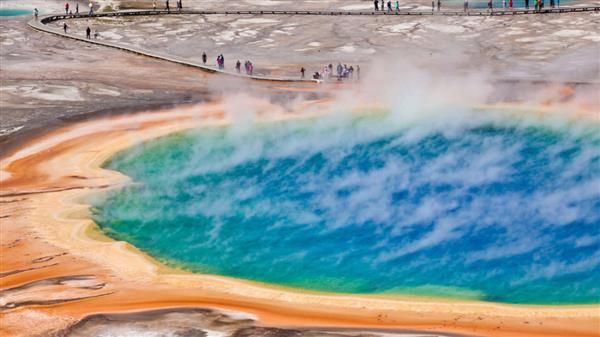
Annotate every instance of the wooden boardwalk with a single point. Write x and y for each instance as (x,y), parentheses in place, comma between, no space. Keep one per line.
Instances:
(41,24)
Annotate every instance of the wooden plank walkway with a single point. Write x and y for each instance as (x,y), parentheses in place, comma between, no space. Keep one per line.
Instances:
(41,24)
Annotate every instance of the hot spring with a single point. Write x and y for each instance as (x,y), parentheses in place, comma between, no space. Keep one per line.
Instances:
(476,205)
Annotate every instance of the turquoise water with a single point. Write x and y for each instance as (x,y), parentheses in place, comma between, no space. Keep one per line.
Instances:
(15,11)
(472,205)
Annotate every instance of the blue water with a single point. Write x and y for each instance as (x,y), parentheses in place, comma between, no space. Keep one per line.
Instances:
(476,206)
(15,11)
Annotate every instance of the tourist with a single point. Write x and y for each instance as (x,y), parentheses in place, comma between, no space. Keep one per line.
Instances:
(351,71)
(432,6)
(439,3)
(537,5)
(88,33)
(316,75)
(204,57)
(358,72)
(397,6)
(504,4)
(557,3)
(167,8)
(91,8)
(250,68)
(238,66)
(389,6)
(376,3)
(551,3)
(66,8)
(527,4)
(510,4)
(65,27)
(154,5)
(35,13)
(77,8)
(96,34)
(302,70)
(541,4)
(382,5)
(339,69)
(490,6)
(221,61)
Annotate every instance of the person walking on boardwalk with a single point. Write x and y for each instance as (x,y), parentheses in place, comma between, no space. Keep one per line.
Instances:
(65,27)
(357,72)
(221,61)
(91,8)
(238,66)
(203,57)
(376,3)
(88,33)
(439,5)
(510,4)
(466,6)
(77,8)
(154,5)
(167,6)
(397,6)
(389,5)
(66,8)
(302,71)
(432,6)
(490,6)
(527,4)
(503,4)
(35,13)
(382,5)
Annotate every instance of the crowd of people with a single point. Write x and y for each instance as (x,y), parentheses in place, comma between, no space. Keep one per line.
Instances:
(382,5)
(69,10)
(377,5)
(178,3)
(328,72)
(341,71)
(248,67)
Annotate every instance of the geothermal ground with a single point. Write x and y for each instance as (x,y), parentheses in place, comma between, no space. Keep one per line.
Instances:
(48,79)
(49,83)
